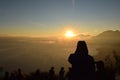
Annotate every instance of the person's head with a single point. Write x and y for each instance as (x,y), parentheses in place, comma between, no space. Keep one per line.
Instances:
(62,68)
(52,68)
(37,71)
(19,70)
(6,73)
(81,48)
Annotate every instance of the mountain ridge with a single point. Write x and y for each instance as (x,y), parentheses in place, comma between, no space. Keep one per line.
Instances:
(107,37)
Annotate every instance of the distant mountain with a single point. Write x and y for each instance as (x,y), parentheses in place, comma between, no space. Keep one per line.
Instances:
(107,37)
(109,34)
(83,36)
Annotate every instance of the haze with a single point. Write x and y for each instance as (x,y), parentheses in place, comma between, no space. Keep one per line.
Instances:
(32,32)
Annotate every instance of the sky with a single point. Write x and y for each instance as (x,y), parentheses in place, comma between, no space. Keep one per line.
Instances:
(53,17)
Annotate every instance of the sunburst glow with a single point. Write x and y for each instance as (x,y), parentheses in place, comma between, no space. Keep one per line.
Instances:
(69,34)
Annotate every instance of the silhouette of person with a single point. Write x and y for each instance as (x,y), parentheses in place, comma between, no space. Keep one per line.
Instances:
(13,75)
(6,77)
(51,73)
(61,73)
(83,67)
(37,75)
(20,75)
(100,73)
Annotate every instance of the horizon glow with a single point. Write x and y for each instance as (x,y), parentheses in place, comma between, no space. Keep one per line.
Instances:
(50,17)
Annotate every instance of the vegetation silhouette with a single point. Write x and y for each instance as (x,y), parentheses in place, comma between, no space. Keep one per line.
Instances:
(83,67)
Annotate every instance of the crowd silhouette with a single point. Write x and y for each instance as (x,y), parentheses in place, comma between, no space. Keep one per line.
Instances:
(83,67)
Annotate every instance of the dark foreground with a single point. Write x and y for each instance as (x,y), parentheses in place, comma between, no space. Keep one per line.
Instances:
(50,75)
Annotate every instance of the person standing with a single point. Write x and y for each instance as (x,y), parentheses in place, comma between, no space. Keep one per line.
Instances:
(83,67)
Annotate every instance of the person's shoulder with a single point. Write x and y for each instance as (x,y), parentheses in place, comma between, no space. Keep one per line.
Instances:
(71,58)
(71,55)
(91,58)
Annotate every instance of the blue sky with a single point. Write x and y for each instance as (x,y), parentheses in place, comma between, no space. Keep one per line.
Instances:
(47,17)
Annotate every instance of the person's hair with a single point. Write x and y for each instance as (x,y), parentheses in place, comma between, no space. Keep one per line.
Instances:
(81,48)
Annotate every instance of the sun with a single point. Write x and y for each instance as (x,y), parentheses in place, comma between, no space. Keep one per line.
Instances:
(69,34)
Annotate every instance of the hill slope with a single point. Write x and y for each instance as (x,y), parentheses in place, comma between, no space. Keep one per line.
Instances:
(107,37)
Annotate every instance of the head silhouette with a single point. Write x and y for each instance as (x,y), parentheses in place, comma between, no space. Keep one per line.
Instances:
(81,48)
